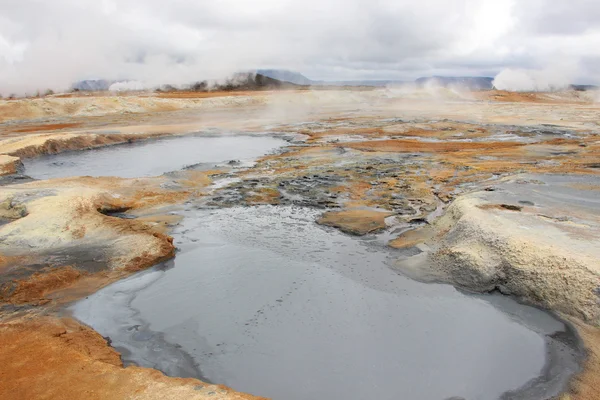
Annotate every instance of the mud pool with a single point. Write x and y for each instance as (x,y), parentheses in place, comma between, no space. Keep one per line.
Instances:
(267,302)
(152,157)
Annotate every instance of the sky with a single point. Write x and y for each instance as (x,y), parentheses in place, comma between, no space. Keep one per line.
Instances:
(51,44)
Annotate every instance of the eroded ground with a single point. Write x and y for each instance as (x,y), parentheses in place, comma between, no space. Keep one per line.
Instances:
(454,178)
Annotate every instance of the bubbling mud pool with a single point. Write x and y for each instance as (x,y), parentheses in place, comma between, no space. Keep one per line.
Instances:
(265,301)
(152,157)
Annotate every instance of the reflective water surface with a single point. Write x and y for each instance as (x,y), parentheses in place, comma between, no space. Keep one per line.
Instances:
(152,157)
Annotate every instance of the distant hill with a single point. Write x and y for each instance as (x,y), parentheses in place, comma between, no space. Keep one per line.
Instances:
(299,79)
(583,88)
(92,85)
(282,79)
(286,76)
(475,83)
(251,81)
(469,82)
(238,81)
(278,78)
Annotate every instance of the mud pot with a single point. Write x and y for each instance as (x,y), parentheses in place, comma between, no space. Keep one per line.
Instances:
(153,157)
(265,301)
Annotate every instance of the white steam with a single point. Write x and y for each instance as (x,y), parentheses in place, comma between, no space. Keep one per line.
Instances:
(127,86)
(527,80)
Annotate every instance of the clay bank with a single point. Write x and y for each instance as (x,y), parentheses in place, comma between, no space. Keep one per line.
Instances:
(318,266)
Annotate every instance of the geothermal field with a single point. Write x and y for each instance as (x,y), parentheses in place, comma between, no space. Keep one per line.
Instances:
(336,243)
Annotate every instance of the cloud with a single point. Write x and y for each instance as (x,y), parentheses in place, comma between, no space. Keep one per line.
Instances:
(47,44)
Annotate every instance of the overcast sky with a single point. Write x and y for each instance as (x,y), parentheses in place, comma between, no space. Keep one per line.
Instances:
(53,43)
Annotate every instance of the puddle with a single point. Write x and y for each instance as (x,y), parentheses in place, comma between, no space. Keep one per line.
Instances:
(552,193)
(267,302)
(153,157)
